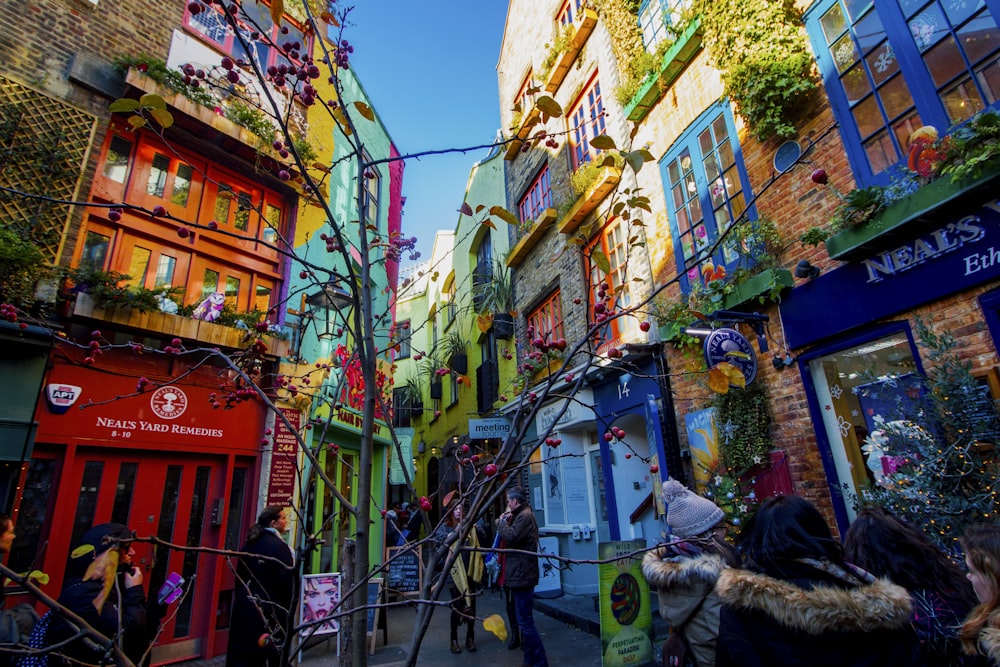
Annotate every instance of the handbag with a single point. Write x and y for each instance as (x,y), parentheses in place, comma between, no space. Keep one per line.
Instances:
(675,650)
(492,561)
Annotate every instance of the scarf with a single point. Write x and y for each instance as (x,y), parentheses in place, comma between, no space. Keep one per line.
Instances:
(462,575)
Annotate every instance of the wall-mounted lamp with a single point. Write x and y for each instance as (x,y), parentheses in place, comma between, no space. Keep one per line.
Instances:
(806,270)
(699,333)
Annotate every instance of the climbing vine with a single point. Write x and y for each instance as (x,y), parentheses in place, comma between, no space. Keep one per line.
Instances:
(744,420)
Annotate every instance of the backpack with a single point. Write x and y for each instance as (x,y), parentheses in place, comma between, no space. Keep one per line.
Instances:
(675,650)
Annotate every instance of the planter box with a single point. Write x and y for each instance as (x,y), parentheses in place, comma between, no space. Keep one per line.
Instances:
(588,201)
(675,61)
(757,286)
(460,363)
(586,20)
(522,133)
(530,240)
(436,390)
(503,326)
(932,204)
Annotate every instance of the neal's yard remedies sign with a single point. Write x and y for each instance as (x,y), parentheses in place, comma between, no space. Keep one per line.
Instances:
(626,617)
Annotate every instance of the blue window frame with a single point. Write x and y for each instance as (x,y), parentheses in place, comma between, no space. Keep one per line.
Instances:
(657,18)
(707,189)
(891,67)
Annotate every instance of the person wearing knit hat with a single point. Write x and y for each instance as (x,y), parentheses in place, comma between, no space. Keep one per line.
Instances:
(685,569)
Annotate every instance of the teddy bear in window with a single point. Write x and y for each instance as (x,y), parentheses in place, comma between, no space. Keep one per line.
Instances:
(210,309)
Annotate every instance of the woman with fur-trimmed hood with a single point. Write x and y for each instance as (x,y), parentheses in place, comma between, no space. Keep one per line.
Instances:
(980,634)
(799,603)
(684,570)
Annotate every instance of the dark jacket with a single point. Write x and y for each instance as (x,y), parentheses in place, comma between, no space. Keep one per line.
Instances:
(78,596)
(812,619)
(264,590)
(521,532)
(685,584)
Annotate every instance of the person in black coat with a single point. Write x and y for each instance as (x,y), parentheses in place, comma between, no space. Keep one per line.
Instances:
(92,591)
(799,604)
(265,586)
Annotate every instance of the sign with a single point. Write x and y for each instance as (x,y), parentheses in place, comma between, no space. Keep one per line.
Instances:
(578,410)
(284,459)
(549,579)
(376,619)
(495,427)
(626,617)
(397,463)
(61,397)
(168,402)
(703,443)
(406,569)
(320,604)
(730,345)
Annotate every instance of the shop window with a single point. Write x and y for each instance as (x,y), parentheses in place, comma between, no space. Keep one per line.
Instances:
(537,198)
(95,251)
(893,67)
(117,159)
(232,291)
(209,283)
(856,388)
(565,484)
(586,121)
(138,266)
(569,12)
(262,298)
(660,20)
(165,269)
(547,319)
(612,243)
(703,176)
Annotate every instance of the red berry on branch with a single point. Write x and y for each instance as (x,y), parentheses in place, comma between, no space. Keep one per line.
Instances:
(819,177)
(489,469)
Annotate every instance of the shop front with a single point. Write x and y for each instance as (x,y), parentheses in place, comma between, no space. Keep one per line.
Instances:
(854,332)
(161,460)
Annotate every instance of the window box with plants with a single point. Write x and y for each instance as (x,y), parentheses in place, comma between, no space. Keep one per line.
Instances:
(676,56)
(496,297)
(942,180)
(454,348)
(413,397)
(566,47)
(530,233)
(592,182)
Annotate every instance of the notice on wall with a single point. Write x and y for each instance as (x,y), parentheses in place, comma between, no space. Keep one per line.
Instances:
(626,616)
(284,459)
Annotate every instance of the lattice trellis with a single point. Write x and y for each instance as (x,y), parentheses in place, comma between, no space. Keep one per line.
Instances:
(44,145)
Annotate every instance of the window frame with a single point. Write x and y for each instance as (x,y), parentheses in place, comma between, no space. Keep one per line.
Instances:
(689,270)
(403,339)
(537,196)
(569,12)
(613,332)
(549,308)
(583,127)
(912,68)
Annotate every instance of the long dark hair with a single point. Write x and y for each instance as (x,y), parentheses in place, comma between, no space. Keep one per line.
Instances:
(982,551)
(786,528)
(888,547)
(270,514)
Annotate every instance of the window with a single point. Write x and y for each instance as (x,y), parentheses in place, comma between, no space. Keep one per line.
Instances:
(116,160)
(565,488)
(613,244)
(658,19)
(453,384)
(893,67)
(547,319)
(182,185)
(537,198)
(163,178)
(165,271)
(434,330)
(234,206)
(262,298)
(451,307)
(232,291)
(373,181)
(95,250)
(569,12)
(210,283)
(273,218)
(137,267)
(403,338)
(400,408)
(701,172)
(525,98)
(483,271)
(253,18)
(586,121)
(158,175)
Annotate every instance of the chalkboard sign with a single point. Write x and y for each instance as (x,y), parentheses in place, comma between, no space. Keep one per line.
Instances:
(406,569)
(375,618)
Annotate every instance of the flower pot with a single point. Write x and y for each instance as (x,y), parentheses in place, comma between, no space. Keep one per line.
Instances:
(436,390)
(503,326)
(460,363)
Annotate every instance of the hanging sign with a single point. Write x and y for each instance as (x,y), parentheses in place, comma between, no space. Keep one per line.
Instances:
(730,345)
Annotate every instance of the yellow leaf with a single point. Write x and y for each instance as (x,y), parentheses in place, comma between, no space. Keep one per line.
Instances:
(488,223)
(603,142)
(136,122)
(126,105)
(163,117)
(505,215)
(38,577)
(494,623)
(484,322)
(717,381)
(152,101)
(732,373)
(601,261)
(365,110)
(277,10)
(319,166)
(549,106)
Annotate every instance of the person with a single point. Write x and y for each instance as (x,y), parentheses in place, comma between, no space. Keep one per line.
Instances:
(465,575)
(265,584)
(320,600)
(92,591)
(393,534)
(685,569)
(519,530)
(799,603)
(980,634)
(942,596)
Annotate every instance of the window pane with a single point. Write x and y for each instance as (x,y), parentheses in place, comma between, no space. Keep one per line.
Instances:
(928,27)
(959,11)
(138,266)
(116,162)
(262,300)
(182,185)
(856,84)
(95,250)
(868,117)
(962,101)
(869,32)
(165,271)
(270,231)
(944,61)
(896,97)
(209,23)
(833,24)
(37,501)
(989,80)
(223,198)
(123,493)
(190,567)
(844,53)
(210,282)
(86,502)
(855,8)
(880,151)
(979,37)
(882,63)
(245,205)
(232,290)
(158,175)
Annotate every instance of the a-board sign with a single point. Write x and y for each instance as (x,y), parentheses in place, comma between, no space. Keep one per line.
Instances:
(406,569)
(374,612)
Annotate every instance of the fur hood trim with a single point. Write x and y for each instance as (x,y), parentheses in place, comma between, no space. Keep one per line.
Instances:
(879,605)
(989,641)
(666,572)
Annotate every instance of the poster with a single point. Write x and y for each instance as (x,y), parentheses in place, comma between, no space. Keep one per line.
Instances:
(320,599)
(703,441)
(284,459)
(549,579)
(626,613)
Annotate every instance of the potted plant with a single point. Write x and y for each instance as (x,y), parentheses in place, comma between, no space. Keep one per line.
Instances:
(413,396)
(496,297)
(454,349)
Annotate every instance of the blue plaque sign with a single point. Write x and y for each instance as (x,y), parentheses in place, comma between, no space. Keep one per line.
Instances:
(732,346)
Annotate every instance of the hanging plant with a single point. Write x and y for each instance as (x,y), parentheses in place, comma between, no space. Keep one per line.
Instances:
(744,424)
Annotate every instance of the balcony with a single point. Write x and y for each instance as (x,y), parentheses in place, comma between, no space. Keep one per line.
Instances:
(159,324)
(583,26)
(675,61)
(606,181)
(937,202)
(531,238)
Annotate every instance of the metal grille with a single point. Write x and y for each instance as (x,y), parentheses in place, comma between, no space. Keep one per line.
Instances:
(44,145)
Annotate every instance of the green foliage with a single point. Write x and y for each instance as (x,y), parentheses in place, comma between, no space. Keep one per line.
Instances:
(973,148)
(173,79)
(559,46)
(744,421)
(944,446)
(859,207)
(760,48)
(725,490)
(307,154)
(108,289)
(496,294)
(814,236)
(22,265)
(251,118)
(673,317)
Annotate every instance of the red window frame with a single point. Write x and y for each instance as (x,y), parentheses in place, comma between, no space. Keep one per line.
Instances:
(547,318)
(537,197)
(613,242)
(586,121)
(569,12)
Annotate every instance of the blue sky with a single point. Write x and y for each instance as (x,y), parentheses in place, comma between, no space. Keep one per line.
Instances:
(430,71)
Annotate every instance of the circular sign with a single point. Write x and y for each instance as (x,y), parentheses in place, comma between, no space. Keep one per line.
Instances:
(786,155)
(626,599)
(732,346)
(168,402)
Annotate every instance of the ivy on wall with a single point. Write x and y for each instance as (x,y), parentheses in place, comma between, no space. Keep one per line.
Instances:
(620,18)
(744,421)
(761,49)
